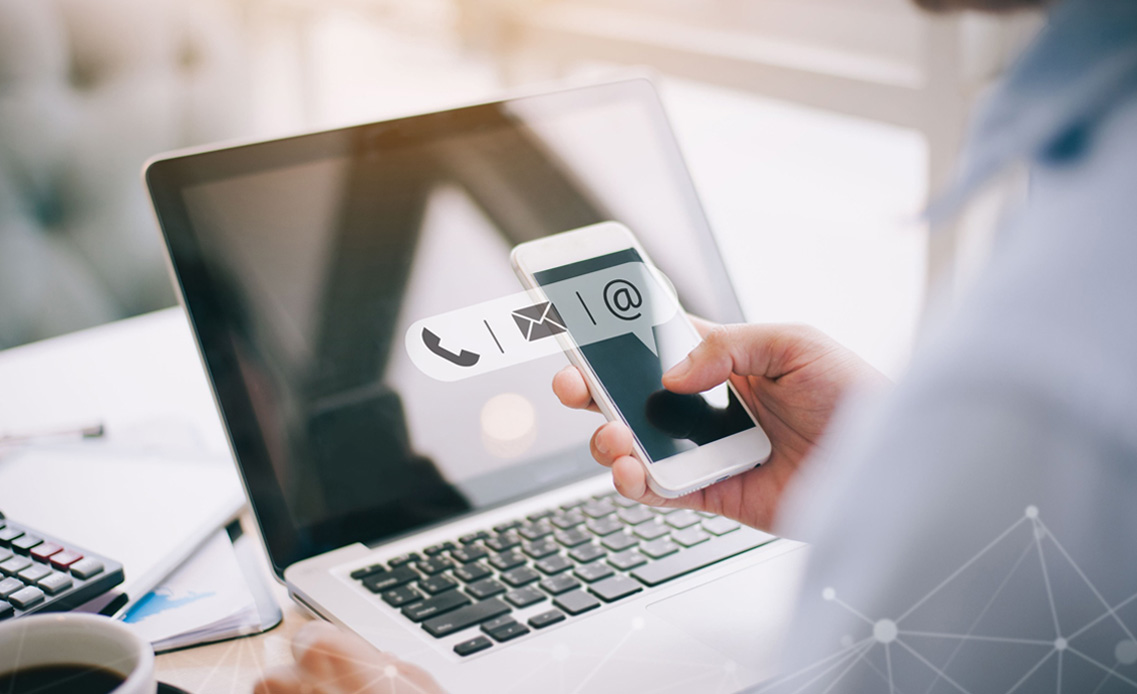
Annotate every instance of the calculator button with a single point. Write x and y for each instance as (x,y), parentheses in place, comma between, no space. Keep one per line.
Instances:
(9,586)
(8,534)
(14,565)
(86,568)
(25,598)
(43,552)
(24,544)
(55,583)
(65,559)
(34,573)
(6,610)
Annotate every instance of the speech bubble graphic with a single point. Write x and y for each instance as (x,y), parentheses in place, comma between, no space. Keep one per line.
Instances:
(528,325)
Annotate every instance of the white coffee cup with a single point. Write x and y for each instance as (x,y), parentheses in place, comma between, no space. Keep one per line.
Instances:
(78,639)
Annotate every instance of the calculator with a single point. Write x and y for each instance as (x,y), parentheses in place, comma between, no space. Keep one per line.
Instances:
(40,573)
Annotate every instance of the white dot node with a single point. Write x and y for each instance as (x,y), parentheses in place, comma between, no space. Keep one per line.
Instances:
(846,641)
(638,623)
(885,631)
(1060,644)
(561,652)
(1032,512)
(391,672)
(828,594)
(1126,652)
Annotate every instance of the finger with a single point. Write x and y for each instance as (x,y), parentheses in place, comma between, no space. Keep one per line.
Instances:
(747,350)
(325,653)
(570,387)
(702,325)
(630,479)
(611,441)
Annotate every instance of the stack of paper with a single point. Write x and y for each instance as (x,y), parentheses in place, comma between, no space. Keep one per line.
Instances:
(206,599)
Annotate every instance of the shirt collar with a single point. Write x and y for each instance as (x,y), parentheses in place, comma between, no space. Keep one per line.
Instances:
(1082,63)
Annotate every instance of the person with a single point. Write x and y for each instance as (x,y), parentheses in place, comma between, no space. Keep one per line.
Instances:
(971,525)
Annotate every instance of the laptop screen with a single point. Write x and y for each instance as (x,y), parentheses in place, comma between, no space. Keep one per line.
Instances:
(303,261)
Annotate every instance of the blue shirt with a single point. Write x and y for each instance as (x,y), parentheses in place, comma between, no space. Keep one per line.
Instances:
(976,529)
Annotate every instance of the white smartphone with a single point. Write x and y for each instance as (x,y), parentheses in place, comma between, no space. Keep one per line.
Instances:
(625,328)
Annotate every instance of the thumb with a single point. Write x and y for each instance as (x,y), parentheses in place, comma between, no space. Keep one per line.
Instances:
(747,350)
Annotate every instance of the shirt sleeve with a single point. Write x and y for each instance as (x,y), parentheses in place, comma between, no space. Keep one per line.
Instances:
(974,531)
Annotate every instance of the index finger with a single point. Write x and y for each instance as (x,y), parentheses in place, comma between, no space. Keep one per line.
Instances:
(570,387)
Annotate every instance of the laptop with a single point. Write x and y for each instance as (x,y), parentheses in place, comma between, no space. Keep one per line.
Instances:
(460,525)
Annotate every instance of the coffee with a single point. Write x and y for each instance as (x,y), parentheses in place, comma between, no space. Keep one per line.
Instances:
(60,679)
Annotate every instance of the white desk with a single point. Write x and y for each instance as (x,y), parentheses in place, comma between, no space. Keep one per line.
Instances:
(142,378)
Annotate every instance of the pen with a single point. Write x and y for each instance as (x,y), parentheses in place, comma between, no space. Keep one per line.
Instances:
(92,431)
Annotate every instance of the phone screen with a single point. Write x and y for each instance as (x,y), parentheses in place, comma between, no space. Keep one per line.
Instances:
(664,423)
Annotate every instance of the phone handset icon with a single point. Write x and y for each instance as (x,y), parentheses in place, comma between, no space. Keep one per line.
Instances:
(434,344)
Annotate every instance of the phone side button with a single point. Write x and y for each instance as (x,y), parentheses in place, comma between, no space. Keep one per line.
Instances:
(699,556)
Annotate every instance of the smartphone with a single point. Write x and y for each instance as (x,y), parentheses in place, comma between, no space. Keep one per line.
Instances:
(625,329)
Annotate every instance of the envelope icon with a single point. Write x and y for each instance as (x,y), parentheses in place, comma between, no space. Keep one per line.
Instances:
(538,321)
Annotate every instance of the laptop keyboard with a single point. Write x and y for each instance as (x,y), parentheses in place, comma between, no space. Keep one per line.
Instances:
(573,558)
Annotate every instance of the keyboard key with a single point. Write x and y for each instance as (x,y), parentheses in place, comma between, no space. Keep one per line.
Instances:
(403,595)
(5,554)
(44,551)
(472,646)
(524,597)
(504,541)
(545,619)
(464,617)
(472,572)
(437,605)
(14,565)
(9,586)
(437,584)
(6,610)
(635,515)
(522,575)
(573,504)
(535,531)
(471,538)
(568,519)
(534,517)
(470,553)
(8,533)
(433,565)
(505,628)
(598,508)
(26,597)
(706,514)
(659,548)
(507,560)
(625,502)
(651,529)
(55,583)
(587,553)
(572,537)
(433,550)
(684,518)
(485,588)
(541,548)
(604,526)
(593,572)
(34,573)
(559,584)
(24,543)
(576,602)
(358,574)
(614,588)
(626,560)
(618,542)
(65,559)
(699,556)
(396,562)
(378,582)
(506,527)
(720,526)
(554,565)
(690,536)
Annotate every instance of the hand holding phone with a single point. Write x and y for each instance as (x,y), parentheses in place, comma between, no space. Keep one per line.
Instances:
(631,331)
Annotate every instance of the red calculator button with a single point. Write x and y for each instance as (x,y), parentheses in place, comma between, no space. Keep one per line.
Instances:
(63,560)
(45,550)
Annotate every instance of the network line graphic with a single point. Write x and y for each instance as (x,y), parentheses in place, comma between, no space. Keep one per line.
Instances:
(1051,646)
